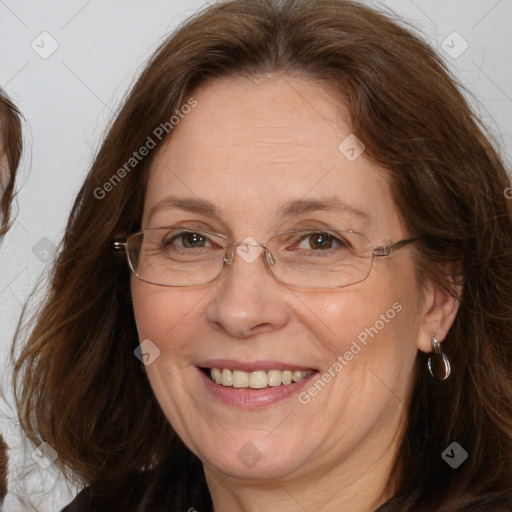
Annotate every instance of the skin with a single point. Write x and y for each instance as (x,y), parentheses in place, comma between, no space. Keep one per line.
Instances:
(249,146)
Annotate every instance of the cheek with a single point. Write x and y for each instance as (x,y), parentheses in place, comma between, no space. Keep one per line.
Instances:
(161,312)
(361,321)
(368,342)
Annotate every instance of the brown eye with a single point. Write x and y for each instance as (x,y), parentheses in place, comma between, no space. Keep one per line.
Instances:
(321,241)
(193,240)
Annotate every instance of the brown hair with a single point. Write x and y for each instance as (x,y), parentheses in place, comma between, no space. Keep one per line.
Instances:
(448,183)
(3,468)
(10,153)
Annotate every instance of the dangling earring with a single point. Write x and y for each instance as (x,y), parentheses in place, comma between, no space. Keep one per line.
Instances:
(438,363)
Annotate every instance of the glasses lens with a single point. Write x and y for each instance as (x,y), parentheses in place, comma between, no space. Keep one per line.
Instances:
(176,256)
(321,259)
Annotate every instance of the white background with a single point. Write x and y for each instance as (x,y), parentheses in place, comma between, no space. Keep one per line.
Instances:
(69,97)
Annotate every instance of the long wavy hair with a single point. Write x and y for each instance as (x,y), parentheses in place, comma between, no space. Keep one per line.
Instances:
(78,385)
(11,146)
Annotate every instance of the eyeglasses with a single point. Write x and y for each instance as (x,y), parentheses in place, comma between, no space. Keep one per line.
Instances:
(304,258)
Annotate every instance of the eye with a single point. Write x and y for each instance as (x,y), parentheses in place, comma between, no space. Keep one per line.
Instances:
(187,240)
(321,241)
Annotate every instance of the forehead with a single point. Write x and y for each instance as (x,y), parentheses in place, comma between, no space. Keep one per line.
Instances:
(250,146)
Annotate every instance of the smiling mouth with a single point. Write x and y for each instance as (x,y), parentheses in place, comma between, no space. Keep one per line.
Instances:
(260,379)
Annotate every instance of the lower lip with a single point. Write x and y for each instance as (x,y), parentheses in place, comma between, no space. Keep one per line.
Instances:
(248,398)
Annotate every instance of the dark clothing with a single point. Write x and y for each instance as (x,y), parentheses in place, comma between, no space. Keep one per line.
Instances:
(176,485)
(179,485)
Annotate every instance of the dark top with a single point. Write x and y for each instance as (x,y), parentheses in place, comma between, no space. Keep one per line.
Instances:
(179,485)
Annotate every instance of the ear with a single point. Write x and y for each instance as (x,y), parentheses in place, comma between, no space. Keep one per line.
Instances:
(439,311)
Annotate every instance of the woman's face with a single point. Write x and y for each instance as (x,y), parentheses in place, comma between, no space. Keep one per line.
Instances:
(252,149)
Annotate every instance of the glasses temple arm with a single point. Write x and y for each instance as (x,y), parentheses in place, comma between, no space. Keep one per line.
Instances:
(118,245)
(386,250)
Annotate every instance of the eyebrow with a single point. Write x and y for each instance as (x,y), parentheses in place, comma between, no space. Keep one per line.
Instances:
(289,209)
(302,206)
(189,204)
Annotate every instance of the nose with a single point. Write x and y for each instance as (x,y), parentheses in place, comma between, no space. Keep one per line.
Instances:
(248,300)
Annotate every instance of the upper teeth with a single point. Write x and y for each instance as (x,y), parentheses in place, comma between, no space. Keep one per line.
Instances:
(256,380)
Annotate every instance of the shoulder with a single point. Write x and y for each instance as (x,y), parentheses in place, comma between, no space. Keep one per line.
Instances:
(81,503)
(127,495)
(489,503)
(485,502)
(169,486)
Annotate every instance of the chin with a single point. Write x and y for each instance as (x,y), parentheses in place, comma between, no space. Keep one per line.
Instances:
(260,460)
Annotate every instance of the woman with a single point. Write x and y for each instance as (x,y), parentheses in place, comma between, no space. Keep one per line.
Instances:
(316,309)
(10,154)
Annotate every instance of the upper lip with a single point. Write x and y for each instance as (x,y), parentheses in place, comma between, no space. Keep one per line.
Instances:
(252,366)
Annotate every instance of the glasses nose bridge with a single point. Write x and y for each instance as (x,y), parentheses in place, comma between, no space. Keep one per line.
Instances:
(230,249)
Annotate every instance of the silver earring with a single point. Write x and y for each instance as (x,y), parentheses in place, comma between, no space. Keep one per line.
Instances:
(438,364)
